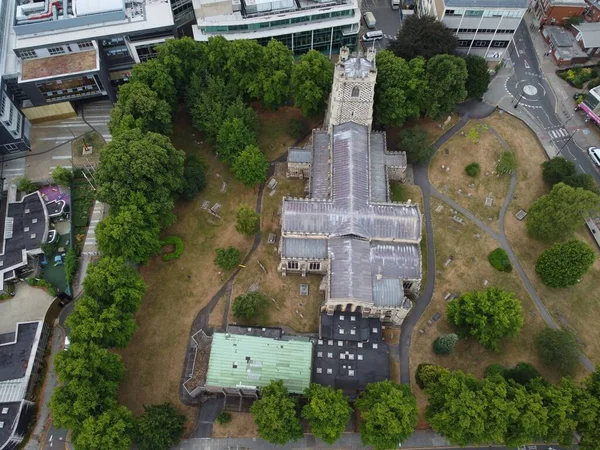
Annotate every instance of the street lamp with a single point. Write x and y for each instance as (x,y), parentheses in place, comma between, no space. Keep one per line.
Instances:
(518,101)
(568,140)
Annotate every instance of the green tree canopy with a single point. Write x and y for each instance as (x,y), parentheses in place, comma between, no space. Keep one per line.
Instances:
(582,180)
(234,136)
(588,412)
(26,185)
(564,264)
(327,412)
(555,170)
(62,176)
(111,429)
(311,80)
(139,168)
(250,166)
(446,78)
(107,327)
(428,373)
(478,76)
(558,349)
(245,60)
(194,179)
(129,234)
(182,57)
(415,142)
(272,86)
(275,415)
(111,281)
(248,306)
(487,316)
(389,414)
(237,109)
(400,90)
(208,104)
(140,107)
(247,220)
(423,36)
(157,76)
(159,428)
(556,215)
(444,344)
(228,258)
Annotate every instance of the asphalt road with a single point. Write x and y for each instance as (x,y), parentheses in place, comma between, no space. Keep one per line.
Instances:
(532,93)
(387,20)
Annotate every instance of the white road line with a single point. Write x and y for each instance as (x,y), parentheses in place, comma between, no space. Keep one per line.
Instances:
(62,157)
(58,138)
(553,134)
(66,167)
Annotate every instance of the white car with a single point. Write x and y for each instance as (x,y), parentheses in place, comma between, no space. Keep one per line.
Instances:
(594,153)
(67,343)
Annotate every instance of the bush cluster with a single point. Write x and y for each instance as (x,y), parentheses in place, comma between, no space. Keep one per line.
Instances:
(177,242)
(228,258)
(499,260)
(473,169)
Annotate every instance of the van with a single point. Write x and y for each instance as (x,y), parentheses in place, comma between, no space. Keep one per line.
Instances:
(372,36)
(395,4)
(594,153)
(370,20)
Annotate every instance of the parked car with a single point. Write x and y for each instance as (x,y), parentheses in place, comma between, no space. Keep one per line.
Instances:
(370,20)
(372,36)
(594,153)
(67,343)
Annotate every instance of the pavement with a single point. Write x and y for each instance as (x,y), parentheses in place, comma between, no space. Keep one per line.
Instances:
(388,21)
(529,89)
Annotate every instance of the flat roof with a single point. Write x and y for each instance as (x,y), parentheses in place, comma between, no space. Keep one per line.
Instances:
(85,7)
(14,354)
(349,326)
(251,362)
(508,4)
(55,66)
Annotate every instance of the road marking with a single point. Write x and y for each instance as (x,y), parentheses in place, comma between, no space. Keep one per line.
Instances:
(62,157)
(526,65)
(58,138)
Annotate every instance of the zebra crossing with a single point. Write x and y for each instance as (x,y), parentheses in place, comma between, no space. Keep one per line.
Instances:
(559,133)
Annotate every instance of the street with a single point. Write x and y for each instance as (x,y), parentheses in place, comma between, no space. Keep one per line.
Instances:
(532,93)
(388,21)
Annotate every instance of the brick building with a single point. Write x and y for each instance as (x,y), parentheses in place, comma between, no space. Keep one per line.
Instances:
(554,12)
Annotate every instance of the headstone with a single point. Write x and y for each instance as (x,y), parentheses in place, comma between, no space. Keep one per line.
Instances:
(490,219)
(443,167)
(472,185)
(253,287)
(205,204)
(449,260)
(439,208)
(459,192)
(304,290)
(458,219)
(421,331)
(485,282)
(429,322)
(489,201)
(469,194)
(271,238)
(436,316)
(447,296)
(520,215)
(272,193)
(447,169)
(477,236)
(215,208)
(446,151)
(487,174)
(224,187)
(272,183)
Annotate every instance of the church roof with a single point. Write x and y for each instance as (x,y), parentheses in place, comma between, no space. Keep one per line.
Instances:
(357,67)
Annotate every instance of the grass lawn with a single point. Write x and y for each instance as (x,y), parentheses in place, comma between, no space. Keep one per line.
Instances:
(91,139)
(576,308)
(474,144)
(241,425)
(274,136)
(468,272)
(286,306)
(178,289)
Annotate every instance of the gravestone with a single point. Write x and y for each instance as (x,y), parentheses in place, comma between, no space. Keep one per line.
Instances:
(272,183)
(436,316)
(489,201)
(520,215)
(224,187)
(449,260)
(272,193)
(458,219)
(304,290)
(271,238)
(439,208)
(205,204)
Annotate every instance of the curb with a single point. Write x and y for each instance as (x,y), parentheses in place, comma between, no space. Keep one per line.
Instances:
(528,126)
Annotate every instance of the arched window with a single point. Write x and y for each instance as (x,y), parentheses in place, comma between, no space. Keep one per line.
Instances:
(355,91)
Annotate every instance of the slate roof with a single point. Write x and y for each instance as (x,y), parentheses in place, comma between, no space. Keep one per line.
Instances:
(590,34)
(305,248)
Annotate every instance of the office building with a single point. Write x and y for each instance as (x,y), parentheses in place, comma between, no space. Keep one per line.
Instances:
(483,27)
(302,25)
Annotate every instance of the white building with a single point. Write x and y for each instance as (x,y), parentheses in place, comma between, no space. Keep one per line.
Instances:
(325,25)
(483,27)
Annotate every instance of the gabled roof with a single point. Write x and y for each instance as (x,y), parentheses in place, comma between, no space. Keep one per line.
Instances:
(590,34)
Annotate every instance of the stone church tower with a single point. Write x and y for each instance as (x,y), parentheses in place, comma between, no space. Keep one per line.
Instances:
(353,90)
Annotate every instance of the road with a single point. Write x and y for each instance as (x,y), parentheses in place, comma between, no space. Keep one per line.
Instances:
(532,93)
(387,19)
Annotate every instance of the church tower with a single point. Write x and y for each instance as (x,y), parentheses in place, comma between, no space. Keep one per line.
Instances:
(353,90)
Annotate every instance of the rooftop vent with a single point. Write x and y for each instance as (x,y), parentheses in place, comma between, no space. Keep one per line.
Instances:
(4,410)
(26,229)
(27,210)
(34,220)
(319,370)
(33,235)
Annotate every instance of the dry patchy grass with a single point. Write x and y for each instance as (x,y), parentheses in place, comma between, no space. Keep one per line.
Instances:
(177,290)
(241,425)
(468,272)
(285,303)
(463,149)
(434,129)
(215,318)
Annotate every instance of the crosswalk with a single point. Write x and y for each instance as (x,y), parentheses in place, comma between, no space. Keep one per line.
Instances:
(559,133)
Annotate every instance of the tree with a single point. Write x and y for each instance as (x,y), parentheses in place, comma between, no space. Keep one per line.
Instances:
(62,176)
(473,169)
(446,77)
(89,361)
(389,414)
(245,60)
(228,258)
(107,327)
(327,412)
(428,373)
(159,428)
(556,215)
(443,345)
(157,76)
(237,109)
(71,263)
(130,234)
(111,281)
(582,180)
(564,264)
(249,305)
(499,260)
(194,179)
(234,136)
(26,185)
(522,373)
(588,412)
(224,418)
(247,220)
(400,90)
(275,414)
(182,57)
(558,349)
(111,429)
(415,142)
(140,107)
(139,168)
(527,416)
(250,166)
(208,104)
(423,36)
(311,81)
(273,81)
(507,163)
(487,316)
(478,76)
(556,170)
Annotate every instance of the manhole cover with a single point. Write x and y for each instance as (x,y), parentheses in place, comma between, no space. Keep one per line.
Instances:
(530,90)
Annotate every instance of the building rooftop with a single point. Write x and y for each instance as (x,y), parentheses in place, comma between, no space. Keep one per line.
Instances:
(509,4)
(590,33)
(349,326)
(251,362)
(565,46)
(55,66)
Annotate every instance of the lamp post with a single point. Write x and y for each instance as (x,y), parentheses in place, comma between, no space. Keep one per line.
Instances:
(568,140)
(519,101)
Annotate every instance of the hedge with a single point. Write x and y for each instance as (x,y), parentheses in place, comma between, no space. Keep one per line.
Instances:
(499,260)
(177,242)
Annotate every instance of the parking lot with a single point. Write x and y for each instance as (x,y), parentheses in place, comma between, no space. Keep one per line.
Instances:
(388,20)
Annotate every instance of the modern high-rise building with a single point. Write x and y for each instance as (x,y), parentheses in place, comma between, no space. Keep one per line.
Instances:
(483,27)
(302,25)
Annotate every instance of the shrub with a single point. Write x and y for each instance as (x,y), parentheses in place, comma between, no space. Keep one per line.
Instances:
(522,373)
(499,260)
(50,248)
(592,84)
(224,418)
(26,185)
(564,264)
(177,242)
(40,282)
(473,169)
(194,179)
(507,163)
(71,263)
(249,305)
(298,128)
(62,176)
(247,221)
(428,373)
(443,344)
(558,349)
(494,369)
(228,258)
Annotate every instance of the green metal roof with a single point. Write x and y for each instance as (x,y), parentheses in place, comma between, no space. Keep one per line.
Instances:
(238,361)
